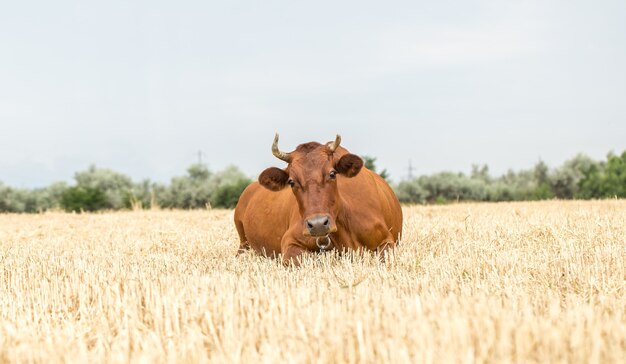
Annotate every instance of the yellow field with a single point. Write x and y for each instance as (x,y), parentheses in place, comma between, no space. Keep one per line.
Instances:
(520,282)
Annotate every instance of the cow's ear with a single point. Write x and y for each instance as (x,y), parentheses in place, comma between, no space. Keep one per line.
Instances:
(349,165)
(274,179)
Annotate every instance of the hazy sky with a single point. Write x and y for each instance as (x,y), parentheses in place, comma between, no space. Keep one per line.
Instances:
(141,86)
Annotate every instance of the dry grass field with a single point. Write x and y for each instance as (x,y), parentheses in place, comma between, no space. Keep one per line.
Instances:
(508,282)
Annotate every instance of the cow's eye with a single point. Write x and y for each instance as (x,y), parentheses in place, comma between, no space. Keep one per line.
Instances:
(332,175)
(291,182)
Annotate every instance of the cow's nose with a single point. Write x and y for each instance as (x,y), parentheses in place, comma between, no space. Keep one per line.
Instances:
(318,225)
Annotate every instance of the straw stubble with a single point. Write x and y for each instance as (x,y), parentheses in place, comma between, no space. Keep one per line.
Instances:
(525,282)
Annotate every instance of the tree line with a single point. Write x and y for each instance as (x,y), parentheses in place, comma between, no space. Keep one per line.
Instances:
(103,189)
(577,178)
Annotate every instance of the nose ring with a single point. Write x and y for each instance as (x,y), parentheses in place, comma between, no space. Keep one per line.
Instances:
(325,245)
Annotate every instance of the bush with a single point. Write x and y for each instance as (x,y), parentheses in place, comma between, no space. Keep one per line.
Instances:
(144,195)
(579,177)
(115,186)
(604,180)
(411,192)
(201,188)
(615,176)
(500,191)
(12,200)
(229,184)
(565,180)
(78,199)
(227,195)
(37,200)
(191,191)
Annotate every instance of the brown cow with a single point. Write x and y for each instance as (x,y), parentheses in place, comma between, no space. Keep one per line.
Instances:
(324,199)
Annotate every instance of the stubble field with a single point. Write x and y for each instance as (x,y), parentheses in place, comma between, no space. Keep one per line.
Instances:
(521,282)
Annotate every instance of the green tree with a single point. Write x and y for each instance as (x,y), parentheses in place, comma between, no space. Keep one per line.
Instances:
(229,184)
(144,194)
(605,180)
(542,190)
(191,191)
(80,199)
(565,180)
(411,192)
(115,186)
(450,186)
(480,172)
(591,184)
(615,176)
(500,191)
(227,195)
(11,200)
(541,171)
(36,200)
(201,188)
(43,199)
(518,185)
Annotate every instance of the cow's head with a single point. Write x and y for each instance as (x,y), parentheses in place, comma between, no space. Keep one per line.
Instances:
(312,174)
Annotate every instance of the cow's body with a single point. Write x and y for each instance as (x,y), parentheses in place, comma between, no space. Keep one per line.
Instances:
(366,213)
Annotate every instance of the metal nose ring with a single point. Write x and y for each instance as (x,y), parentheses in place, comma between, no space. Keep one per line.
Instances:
(325,245)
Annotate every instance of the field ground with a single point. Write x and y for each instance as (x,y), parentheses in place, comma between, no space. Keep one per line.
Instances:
(521,282)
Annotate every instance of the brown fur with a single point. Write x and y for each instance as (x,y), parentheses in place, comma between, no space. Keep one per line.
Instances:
(364,211)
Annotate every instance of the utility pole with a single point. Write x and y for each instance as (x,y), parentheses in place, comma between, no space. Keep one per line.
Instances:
(200,153)
(411,169)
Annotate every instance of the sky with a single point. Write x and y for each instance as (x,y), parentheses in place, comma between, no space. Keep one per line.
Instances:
(141,86)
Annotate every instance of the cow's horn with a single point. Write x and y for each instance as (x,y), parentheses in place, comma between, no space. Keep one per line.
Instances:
(335,144)
(277,153)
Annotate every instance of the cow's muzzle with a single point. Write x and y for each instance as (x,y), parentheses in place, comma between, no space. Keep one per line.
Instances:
(318,225)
